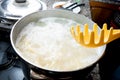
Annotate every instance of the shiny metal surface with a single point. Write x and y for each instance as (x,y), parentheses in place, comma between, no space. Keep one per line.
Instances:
(11,9)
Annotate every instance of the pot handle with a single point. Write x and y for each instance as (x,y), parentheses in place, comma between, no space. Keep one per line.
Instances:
(20,1)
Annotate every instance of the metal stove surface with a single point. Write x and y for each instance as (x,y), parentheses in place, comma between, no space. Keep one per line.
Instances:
(10,66)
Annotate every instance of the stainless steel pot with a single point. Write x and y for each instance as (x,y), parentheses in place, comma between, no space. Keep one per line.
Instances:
(20,24)
(15,9)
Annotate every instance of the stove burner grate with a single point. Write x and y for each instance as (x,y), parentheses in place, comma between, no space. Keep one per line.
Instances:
(8,59)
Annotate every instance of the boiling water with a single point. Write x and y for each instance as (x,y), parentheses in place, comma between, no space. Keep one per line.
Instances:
(48,44)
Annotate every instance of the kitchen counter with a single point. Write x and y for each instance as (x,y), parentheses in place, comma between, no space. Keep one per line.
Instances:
(85,10)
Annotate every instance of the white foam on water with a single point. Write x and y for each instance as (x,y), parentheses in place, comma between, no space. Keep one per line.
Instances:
(49,44)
